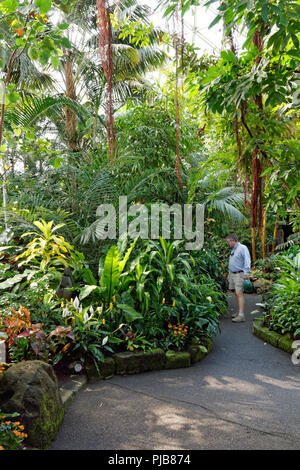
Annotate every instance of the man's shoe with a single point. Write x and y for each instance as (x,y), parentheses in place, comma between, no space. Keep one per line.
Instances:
(239,319)
(234,315)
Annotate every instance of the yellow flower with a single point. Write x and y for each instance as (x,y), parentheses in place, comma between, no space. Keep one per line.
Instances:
(114,299)
(173,303)
(163,300)
(1,448)
(111,306)
(62,305)
(131,348)
(103,321)
(71,301)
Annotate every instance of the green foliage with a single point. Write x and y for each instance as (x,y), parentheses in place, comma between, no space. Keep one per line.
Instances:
(284,298)
(110,271)
(47,248)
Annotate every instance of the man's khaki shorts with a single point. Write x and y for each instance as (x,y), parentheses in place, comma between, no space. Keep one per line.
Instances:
(235,281)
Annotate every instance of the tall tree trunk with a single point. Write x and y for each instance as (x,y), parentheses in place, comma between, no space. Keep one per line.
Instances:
(275,234)
(4,158)
(13,57)
(177,109)
(105,49)
(256,194)
(71,121)
(264,233)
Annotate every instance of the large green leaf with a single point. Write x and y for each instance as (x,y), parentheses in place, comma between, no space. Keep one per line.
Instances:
(15,280)
(43,5)
(130,313)
(87,290)
(125,259)
(111,272)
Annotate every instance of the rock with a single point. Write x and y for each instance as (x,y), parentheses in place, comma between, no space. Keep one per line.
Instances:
(262,285)
(31,389)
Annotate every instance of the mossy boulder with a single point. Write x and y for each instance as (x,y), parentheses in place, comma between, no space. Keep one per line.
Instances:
(106,369)
(31,389)
(176,360)
(262,285)
(135,362)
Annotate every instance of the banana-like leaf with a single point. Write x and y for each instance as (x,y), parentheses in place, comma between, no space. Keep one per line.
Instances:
(8,283)
(111,272)
(130,313)
(128,252)
(87,290)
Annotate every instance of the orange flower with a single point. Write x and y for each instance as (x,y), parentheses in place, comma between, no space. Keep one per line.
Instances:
(66,347)
(1,448)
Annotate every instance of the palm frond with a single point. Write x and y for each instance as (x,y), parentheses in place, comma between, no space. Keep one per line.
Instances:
(39,107)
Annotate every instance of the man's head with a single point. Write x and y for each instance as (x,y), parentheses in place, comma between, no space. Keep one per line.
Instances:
(232,240)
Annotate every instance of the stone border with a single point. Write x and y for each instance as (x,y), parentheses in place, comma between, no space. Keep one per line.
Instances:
(71,387)
(126,363)
(276,339)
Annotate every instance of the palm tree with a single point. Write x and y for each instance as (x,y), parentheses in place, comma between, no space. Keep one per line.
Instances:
(81,73)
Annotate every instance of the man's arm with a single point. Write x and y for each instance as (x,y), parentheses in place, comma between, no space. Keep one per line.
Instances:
(247,262)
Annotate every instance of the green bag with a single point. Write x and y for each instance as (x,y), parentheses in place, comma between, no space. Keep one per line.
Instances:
(248,286)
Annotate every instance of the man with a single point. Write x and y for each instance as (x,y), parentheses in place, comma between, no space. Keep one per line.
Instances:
(239,269)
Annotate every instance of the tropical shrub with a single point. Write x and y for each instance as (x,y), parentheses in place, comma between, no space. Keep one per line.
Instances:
(283,301)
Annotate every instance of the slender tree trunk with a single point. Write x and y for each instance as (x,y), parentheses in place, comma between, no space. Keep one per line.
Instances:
(239,149)
(4,158)
(275,234)
(105,49)
(264,233)
(71,122)
(13,57)
(177,109)
(253,244)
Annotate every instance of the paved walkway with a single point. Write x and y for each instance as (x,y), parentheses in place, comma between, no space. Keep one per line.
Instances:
(244,395)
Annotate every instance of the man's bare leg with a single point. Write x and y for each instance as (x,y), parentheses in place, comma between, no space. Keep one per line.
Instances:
(240,300)
(241,305)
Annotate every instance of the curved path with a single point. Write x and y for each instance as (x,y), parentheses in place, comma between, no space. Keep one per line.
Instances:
(244,395)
